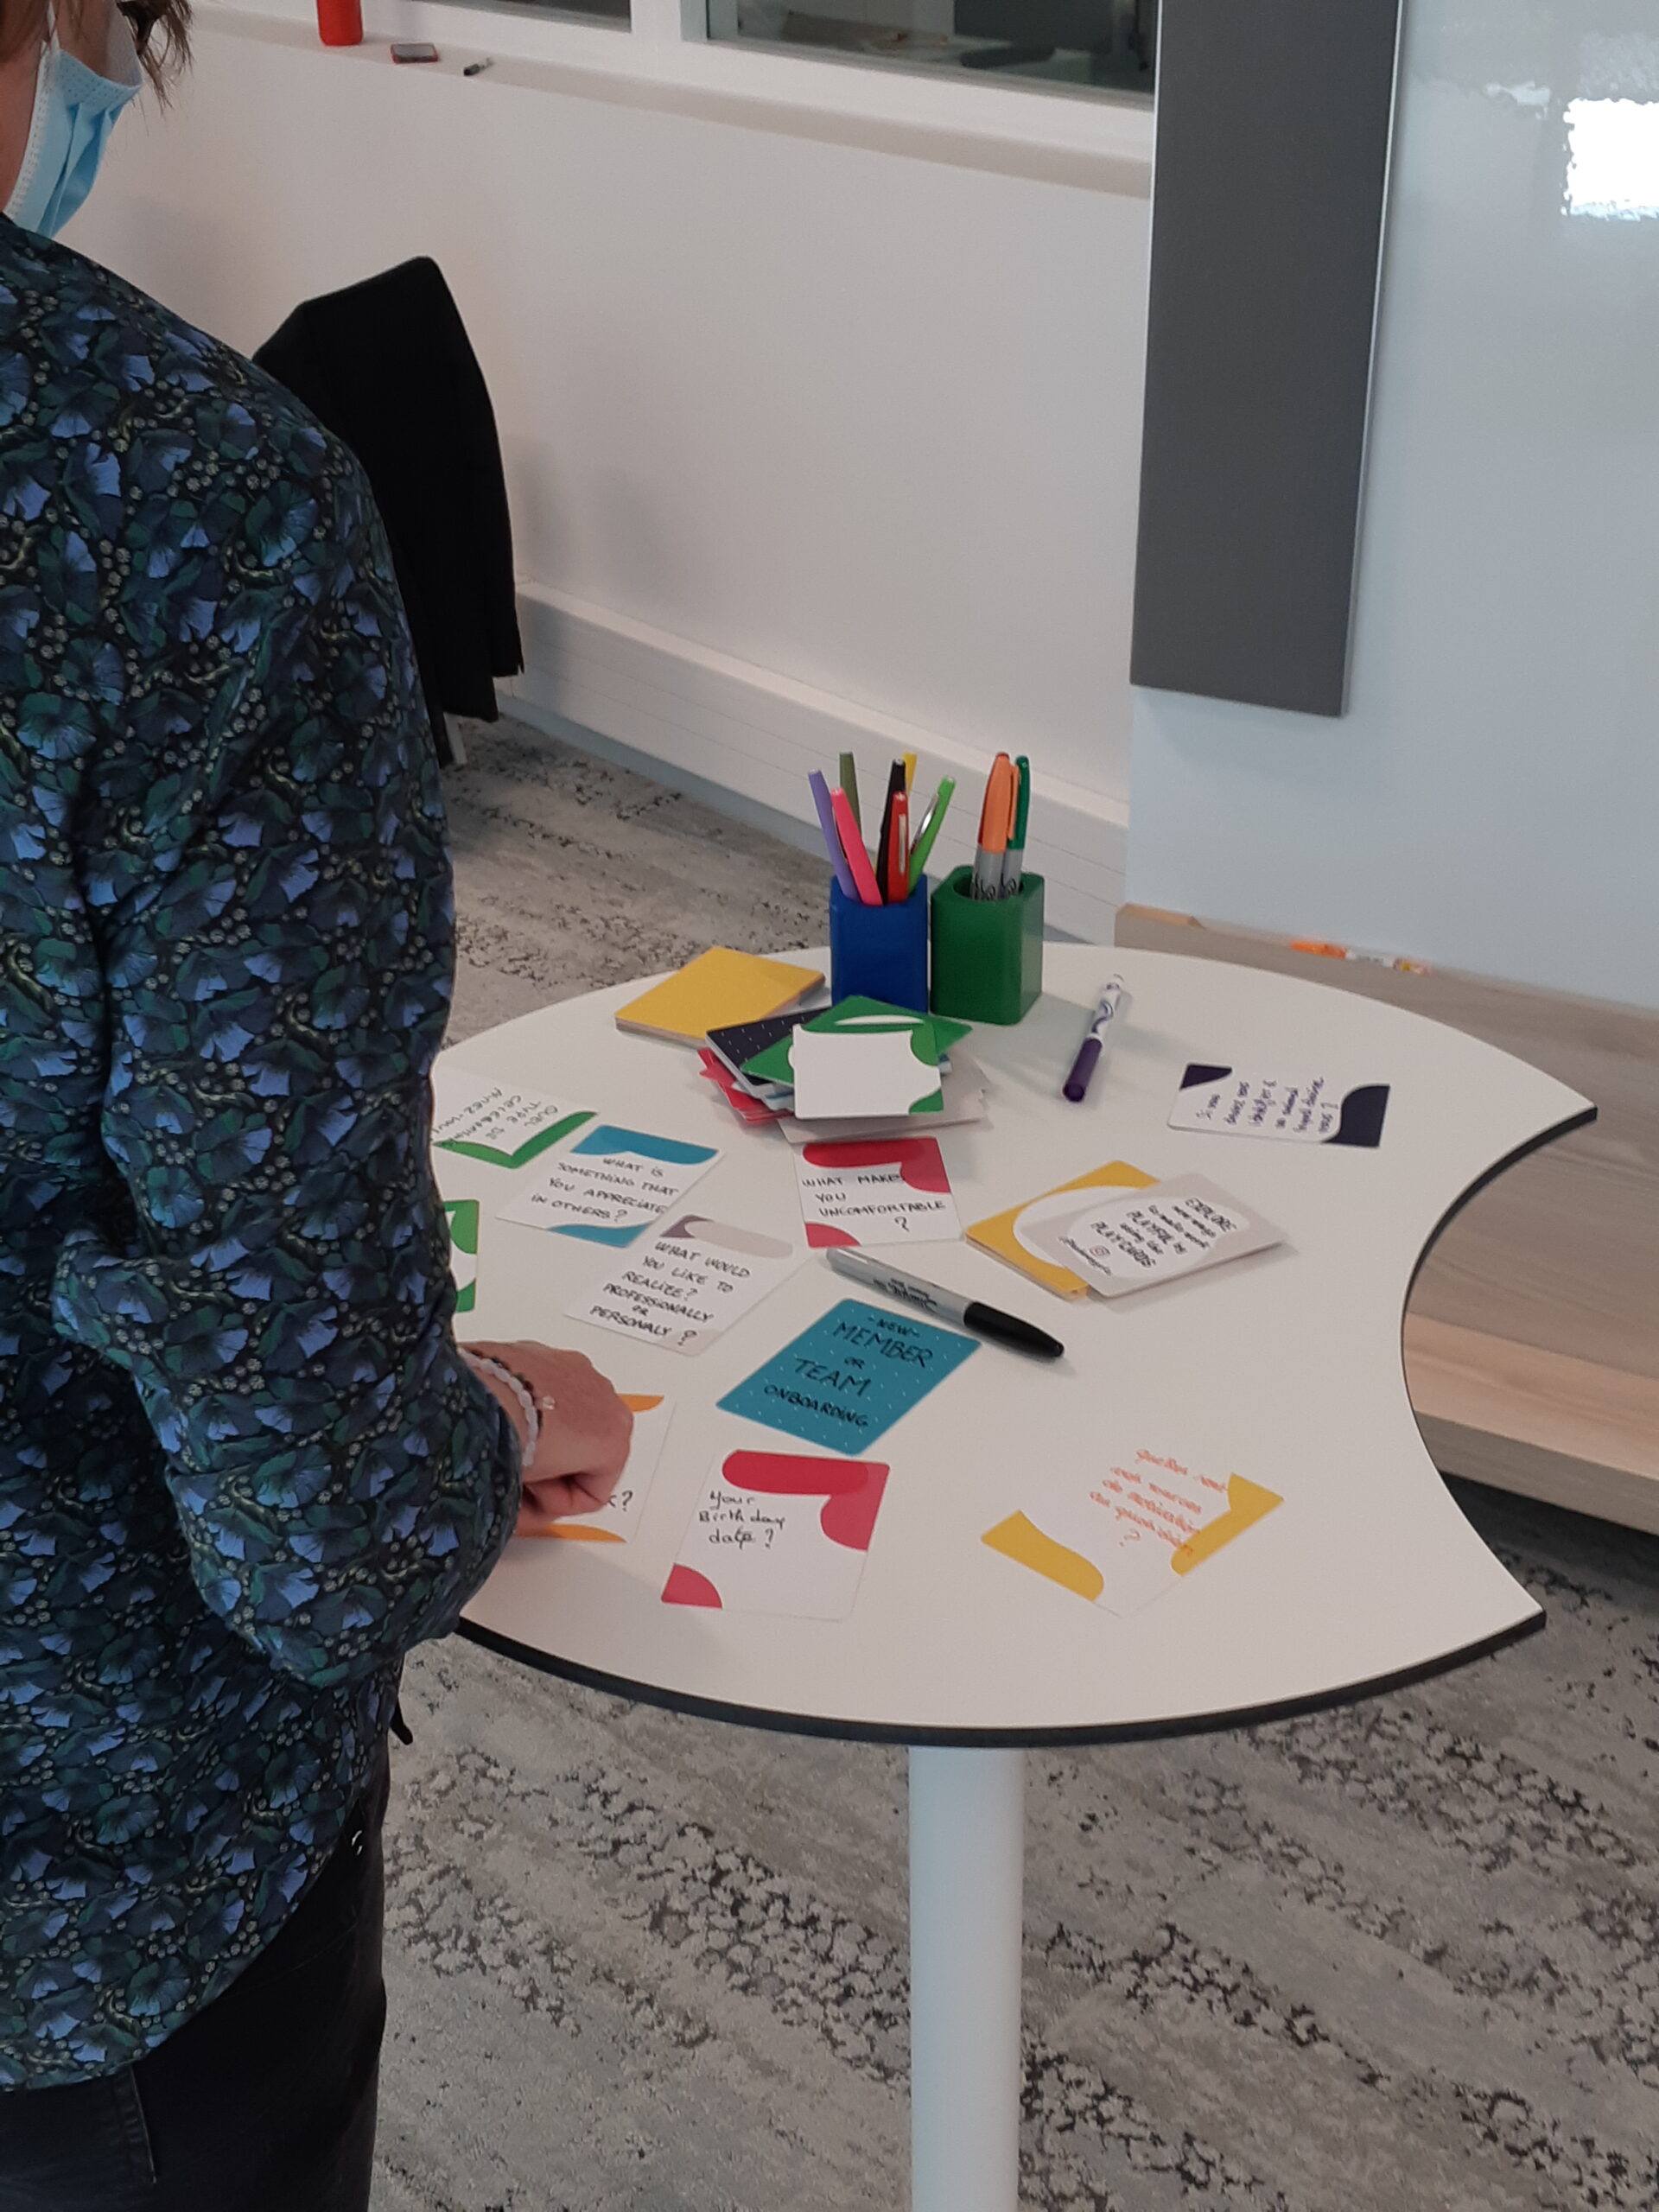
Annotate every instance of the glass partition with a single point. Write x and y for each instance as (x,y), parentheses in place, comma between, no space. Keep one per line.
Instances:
(1088,45)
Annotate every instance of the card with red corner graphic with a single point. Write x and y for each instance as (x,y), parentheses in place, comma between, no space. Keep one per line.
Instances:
(752,1112)
(776,1532)
(889,1191)
(616,1520)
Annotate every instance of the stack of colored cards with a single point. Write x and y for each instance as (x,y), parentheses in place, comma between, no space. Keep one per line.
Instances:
(752,1065)
(719,986)
(858,1068)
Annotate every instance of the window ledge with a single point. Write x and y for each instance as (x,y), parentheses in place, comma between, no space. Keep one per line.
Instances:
(1094,143)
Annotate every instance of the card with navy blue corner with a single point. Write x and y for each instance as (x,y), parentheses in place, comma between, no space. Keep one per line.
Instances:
(1295,1109)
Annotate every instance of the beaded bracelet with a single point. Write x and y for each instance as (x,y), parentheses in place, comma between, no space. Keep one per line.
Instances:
(482,1363)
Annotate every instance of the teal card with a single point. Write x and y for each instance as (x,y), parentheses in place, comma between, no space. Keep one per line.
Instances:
(850,1377)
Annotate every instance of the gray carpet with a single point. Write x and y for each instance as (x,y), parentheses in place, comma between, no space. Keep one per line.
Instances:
(1405,1955)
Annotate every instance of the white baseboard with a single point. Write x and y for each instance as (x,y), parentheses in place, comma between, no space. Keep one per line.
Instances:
(744,730)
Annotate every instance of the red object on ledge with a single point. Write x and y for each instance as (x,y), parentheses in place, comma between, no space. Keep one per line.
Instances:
(339,22)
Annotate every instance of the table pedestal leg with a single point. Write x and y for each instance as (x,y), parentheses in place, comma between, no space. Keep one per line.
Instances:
(967,1881)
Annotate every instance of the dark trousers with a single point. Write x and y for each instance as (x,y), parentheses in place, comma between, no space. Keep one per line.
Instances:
(264,2102)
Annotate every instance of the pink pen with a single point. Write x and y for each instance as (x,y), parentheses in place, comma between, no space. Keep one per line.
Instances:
(852,845)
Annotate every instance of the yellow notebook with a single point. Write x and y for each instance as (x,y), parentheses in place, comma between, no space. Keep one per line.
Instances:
(716,990)
(997,1235)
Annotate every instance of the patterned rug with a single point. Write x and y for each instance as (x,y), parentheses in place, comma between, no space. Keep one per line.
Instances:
(1400,1957)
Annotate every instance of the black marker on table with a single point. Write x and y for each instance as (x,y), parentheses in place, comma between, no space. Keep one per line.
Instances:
(944,1304)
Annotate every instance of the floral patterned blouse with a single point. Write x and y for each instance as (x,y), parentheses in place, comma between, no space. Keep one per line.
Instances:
(242,1467)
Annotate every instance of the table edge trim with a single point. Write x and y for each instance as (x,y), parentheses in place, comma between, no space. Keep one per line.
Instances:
(1588,1112)
(887,1731)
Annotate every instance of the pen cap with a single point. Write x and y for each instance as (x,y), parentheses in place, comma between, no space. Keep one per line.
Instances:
(339,22)
(988,953)
(880,952)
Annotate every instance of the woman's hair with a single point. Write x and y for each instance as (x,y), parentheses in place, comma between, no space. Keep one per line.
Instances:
(161,30)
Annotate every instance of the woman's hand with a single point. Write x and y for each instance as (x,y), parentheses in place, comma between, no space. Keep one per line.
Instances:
(585,1433)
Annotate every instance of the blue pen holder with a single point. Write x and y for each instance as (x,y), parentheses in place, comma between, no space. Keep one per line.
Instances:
(880,952)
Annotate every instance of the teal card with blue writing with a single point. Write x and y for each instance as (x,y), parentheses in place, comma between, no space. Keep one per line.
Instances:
(850,1377)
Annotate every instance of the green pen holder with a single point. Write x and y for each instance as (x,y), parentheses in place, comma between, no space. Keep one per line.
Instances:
(988,953)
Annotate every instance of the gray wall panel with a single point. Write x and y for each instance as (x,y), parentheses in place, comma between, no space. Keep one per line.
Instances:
(1273,125)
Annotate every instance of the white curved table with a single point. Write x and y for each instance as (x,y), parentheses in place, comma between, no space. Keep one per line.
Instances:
(1285,1368)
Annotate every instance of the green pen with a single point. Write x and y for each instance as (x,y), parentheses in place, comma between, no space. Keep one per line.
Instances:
(850,784)
(929,830)
(1014,860)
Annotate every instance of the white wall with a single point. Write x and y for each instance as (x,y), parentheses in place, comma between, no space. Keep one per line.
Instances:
(1491,801)
(810,442)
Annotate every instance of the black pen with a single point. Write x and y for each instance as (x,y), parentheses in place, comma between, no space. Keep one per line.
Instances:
(944,1304)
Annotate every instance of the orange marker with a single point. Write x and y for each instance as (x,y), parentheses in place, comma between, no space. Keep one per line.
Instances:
(1002,795)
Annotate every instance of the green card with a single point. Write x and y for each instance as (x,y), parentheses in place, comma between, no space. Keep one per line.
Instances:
(462,1216)
(934,1034)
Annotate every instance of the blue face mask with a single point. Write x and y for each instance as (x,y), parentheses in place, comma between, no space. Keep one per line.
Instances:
(75,113)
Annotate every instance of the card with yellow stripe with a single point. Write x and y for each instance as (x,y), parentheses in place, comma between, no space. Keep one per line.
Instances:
(1125,1534)
(1004,1234)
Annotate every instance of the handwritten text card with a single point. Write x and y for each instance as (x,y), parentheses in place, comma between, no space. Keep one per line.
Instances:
(1127,1534)
(491,1121)
(611,1185)
(850,1376)
(690,1282)
(776,1533)
(890,1192)
(618,1518)
(1300,1110)
(1124,1241)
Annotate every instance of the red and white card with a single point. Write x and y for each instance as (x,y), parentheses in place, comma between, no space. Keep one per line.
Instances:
(776,1532)
(890,1190)
(752,1111)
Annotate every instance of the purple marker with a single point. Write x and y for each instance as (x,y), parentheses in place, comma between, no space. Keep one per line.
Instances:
(831,836)
(1108,1013)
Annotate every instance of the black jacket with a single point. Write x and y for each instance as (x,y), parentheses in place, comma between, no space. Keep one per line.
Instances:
(387,366)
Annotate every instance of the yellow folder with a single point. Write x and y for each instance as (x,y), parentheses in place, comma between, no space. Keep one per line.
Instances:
(717,990)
